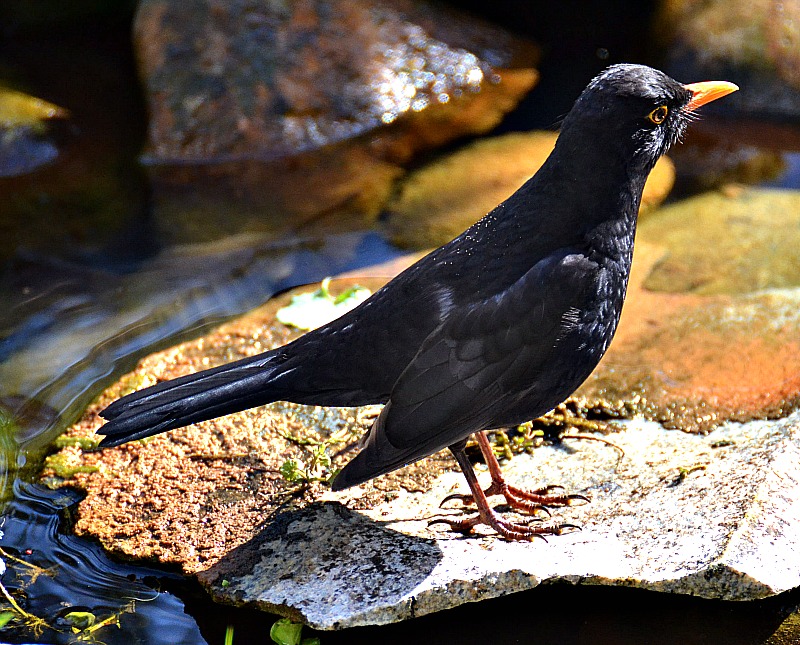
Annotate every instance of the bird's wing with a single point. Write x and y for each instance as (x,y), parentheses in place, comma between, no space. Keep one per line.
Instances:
(493,350)
(480,361)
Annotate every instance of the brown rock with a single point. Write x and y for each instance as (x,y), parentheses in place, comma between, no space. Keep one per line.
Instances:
(336,188)
(233,81)
(710,331)
(443,198)
(347,90)
(164,499)
(695,361)
(735,241)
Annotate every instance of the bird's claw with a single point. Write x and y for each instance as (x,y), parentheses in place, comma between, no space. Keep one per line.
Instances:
(522,500)
(510,531)
(464,499)
(577,497)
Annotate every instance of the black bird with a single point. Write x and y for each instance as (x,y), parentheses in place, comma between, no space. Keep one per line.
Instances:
(492,329)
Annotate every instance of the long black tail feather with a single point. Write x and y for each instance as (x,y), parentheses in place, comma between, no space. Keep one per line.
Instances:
(190,399)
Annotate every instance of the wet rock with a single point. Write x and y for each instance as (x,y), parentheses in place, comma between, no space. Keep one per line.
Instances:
(718,152)
(337,189)
(443,198)
(695,361)
(243,80)
(710,331)
(713,513)
(355,88)
(755,44)
(243,467)
(734,241)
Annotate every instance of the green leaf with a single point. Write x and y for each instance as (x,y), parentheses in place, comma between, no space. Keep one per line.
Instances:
(80,620)
(18,109)
(311,310)
(285,632)
(5,616)
(310,641)
(289,470)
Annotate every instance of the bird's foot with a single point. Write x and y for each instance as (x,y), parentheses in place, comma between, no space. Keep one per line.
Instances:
(522,500)
(511,531)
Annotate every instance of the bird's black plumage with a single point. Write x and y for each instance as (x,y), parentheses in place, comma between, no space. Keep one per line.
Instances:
(492,329)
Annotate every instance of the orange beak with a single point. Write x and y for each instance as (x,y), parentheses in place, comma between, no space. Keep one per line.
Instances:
(708,91)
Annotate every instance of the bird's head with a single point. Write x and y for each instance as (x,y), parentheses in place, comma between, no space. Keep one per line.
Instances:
(634,113)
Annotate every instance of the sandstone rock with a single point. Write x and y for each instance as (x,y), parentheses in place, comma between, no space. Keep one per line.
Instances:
(733,241)
(443,198)
(694,362)
(348,90)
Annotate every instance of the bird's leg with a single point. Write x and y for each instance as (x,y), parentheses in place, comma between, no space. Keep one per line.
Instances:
(506,529)
(522,500)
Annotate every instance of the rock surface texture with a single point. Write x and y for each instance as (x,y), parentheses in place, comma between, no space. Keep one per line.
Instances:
(724,525)
(348,90)
(756,42)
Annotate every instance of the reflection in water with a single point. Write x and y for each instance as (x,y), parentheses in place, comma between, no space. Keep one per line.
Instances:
(67,332)
(78,576)
(63,343)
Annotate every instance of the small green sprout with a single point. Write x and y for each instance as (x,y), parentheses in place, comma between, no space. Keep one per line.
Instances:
(285,632)
(308,311)
(316,468)
(80,620)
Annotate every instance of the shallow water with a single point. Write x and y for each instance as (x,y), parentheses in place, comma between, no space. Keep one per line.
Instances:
(89,288)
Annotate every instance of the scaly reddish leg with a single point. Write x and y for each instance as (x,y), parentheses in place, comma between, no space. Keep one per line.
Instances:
(522,500)
(508,530)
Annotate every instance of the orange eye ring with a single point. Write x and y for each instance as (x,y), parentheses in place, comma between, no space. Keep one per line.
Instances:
(658,115)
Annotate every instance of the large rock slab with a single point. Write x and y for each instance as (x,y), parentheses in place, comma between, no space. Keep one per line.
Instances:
(724,525)
(239,501)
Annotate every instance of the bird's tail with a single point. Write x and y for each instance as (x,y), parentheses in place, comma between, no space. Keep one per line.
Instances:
(190,399)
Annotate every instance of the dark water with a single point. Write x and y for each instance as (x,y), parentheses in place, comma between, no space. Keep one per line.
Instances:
(88,286)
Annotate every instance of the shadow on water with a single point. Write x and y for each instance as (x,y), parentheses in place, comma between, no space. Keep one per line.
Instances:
(62,574)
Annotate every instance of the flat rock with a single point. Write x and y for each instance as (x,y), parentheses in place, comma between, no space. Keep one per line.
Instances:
(238,501)
(724,525)
(754,233)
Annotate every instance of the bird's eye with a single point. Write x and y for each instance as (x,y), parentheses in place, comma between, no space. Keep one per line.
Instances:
(658,115)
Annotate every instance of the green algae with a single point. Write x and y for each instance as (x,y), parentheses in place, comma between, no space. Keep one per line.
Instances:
(731,242)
